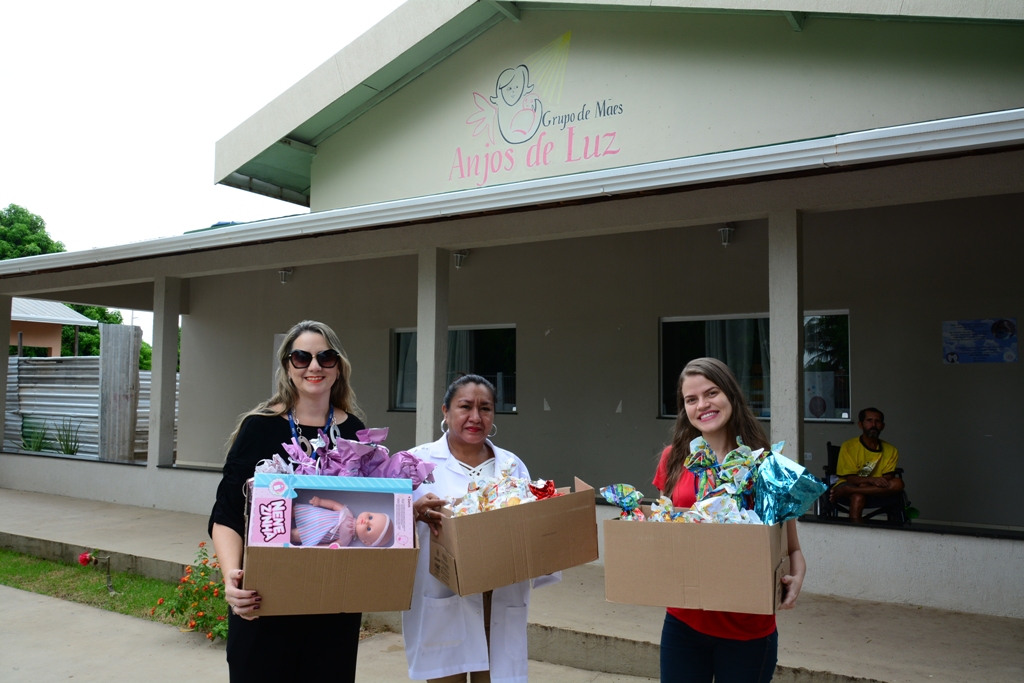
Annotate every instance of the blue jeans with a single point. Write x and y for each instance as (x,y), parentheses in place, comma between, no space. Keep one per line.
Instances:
(689,656)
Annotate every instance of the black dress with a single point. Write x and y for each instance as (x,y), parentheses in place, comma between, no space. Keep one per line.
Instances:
(282,647)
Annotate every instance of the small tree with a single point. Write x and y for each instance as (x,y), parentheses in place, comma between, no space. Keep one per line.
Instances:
(23,233)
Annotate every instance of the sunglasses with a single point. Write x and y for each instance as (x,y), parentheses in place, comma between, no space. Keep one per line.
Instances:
(325,359)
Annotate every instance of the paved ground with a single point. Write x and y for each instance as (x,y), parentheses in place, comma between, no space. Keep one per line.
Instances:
(43,640)
(824,640)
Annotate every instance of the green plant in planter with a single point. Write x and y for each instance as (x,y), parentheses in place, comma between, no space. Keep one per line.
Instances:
(33,435)
(67,436)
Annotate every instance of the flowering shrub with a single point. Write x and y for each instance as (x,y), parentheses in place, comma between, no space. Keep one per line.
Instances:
(196,603)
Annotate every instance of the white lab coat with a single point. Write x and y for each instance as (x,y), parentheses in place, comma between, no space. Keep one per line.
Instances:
(444,633)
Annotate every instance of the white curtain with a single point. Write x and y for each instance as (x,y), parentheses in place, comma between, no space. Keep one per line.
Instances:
(766,367)
(732,342)
(405,373)
(460,353)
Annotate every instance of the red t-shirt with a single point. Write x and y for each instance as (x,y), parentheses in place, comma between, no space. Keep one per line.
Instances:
(733,625)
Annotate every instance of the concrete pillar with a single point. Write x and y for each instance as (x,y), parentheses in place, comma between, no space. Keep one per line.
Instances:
(5,333)
(163,390)
(786,311)
(431,342)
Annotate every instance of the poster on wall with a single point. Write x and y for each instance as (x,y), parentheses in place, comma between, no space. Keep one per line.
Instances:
(992,340)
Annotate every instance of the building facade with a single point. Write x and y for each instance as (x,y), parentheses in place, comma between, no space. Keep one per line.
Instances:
(584,163)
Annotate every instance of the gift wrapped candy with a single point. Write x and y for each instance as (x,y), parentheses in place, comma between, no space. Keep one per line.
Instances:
(468,504)
(720,510)
(491,494)
(734,477)
(664,511)
(405,465)
(784,489)
(627,498)
(363,458)
(275,464)
(543,488)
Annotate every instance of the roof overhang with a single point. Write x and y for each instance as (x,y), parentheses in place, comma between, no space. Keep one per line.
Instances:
(51,312)
(910,142)
(272,152)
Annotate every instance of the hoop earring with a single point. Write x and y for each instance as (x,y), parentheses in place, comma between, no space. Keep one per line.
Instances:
(444,426)
(494,431)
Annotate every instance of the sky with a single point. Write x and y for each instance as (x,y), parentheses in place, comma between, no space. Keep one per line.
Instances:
(111,110)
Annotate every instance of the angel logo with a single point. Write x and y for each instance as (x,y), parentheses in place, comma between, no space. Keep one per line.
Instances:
(513,109)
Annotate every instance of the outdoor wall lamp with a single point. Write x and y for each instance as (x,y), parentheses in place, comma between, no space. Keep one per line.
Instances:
(726,232)
(460,258)
(285,273)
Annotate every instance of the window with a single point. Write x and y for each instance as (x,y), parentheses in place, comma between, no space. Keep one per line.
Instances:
(742,343)
(486,351)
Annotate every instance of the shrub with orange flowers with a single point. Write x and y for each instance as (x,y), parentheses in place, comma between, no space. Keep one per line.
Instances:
(192,605)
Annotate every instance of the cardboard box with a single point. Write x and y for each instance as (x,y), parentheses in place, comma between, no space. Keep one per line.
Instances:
(721,567)
(324,580)
(488,550)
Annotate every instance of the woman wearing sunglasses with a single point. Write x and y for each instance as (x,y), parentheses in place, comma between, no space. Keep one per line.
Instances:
(313,394)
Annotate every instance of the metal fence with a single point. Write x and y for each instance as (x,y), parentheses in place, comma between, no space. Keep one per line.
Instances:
(50,393)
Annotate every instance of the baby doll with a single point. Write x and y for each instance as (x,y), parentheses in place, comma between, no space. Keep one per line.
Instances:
(327,522)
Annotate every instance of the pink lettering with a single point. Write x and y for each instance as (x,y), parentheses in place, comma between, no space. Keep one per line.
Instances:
(473,166)
(510,160)
(457,164)
(272,519)
(492,164)
(568,155)
(535,154)
(608,149)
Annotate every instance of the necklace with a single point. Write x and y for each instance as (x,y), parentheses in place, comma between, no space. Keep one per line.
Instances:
(308,447)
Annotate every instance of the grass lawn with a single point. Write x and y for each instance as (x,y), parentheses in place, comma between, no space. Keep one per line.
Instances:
(136,595)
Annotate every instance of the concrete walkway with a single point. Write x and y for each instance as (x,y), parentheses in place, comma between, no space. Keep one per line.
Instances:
(571,625)
(44,639)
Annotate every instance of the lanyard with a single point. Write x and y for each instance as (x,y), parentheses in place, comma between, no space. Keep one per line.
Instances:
(303,441)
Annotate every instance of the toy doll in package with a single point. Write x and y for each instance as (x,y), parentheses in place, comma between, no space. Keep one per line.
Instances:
(291,510)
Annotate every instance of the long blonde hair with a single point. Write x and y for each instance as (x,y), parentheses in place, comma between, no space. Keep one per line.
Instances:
(742,423)
(283,400)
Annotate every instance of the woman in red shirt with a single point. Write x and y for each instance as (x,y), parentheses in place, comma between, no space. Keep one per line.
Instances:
(697,645)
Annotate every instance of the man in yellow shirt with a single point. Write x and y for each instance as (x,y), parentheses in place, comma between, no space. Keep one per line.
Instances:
(867,466)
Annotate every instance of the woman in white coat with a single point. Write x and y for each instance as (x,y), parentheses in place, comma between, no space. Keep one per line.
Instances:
(447,636)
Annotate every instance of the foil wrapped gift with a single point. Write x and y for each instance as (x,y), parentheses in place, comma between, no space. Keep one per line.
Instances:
(485,494)
(626,497)
(784,489)
(664,511)
(720,510)
(734,476)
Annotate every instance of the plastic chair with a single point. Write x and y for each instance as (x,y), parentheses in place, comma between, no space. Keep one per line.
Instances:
(894,507)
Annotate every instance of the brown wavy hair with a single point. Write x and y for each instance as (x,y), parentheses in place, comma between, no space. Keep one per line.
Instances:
(742,423)
(283,400)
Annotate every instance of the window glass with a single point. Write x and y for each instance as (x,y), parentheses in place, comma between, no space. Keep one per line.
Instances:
(743,344)
(489,352)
